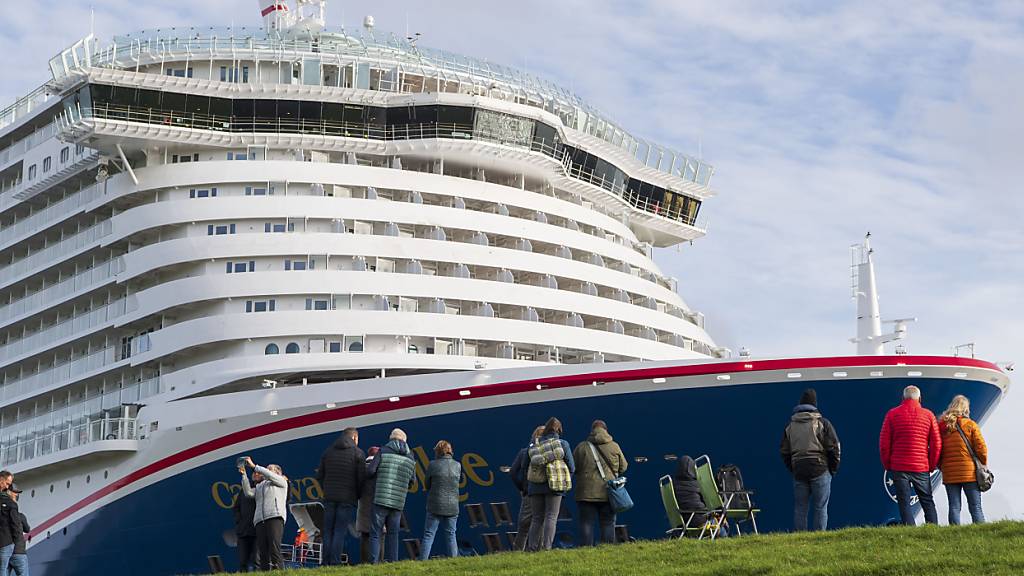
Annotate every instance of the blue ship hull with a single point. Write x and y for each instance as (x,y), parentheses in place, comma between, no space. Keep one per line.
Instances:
(170,527)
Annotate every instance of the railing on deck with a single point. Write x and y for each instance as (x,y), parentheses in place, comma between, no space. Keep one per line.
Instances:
(71,436)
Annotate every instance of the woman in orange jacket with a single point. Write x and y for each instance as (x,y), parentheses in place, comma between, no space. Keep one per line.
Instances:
(956,464)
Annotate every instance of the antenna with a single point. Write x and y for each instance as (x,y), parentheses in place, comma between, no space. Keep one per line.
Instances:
(870,341)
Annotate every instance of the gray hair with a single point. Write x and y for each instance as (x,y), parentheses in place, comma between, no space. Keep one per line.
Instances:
(275,469)
(912,393)
(398,434)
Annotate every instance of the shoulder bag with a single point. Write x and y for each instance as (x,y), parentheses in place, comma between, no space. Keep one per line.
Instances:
(618,498)
(982,474)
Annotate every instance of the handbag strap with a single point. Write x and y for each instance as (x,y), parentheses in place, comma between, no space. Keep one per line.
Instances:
(970,449)
(597,459)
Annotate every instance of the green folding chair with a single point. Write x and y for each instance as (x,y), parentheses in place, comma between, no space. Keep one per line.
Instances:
(725,505)
(681,522)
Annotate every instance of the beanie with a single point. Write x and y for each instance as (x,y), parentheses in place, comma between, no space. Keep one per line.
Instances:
(809,397)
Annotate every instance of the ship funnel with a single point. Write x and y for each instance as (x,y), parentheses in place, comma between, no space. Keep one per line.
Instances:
(870,341)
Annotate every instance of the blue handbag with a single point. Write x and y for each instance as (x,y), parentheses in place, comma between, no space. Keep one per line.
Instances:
(618,498)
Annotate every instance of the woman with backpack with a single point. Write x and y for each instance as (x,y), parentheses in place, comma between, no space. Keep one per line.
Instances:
(600,459)
(442,484)
(961,435)
(549,477)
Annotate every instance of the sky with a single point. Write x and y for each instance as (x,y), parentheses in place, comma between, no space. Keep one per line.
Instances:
(823,121)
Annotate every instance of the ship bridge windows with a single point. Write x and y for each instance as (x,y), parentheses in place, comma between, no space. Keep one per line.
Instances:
(202,193)
(239,267)
(260,305)
(179,72)
(220,229)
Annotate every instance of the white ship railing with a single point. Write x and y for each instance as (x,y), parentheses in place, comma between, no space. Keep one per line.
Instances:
(67,437)
(19,147)
(71,326)
(24,106)
(33,223)
(52,254)
(99,273)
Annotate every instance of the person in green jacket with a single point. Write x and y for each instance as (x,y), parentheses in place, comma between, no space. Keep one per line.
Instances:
(442,484)
(393,470)
(591,482)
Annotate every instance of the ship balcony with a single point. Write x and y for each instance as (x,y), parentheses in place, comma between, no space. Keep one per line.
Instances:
(89,439)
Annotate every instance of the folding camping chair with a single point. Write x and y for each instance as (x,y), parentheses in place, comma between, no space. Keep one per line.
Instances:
(681,522)
(735,505)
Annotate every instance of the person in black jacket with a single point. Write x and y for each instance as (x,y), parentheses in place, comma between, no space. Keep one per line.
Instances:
(243,510)
(810,450)
(518,474)
(341,475)
(19,560)
(9,521)
(688,496)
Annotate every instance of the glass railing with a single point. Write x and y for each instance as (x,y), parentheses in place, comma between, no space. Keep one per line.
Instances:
(65,329)
(35,222)
(27,143)
(373,132)
(71,436)
(63,373)
(47,296)
(25,106)
(52,254)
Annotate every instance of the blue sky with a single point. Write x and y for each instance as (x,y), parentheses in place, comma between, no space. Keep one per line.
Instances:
(823,120)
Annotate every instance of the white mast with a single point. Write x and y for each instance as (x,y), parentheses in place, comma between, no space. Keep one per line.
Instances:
(870,341)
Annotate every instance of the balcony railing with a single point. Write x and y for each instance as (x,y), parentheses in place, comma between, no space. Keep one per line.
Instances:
(47,296)
(69,327)
(71,436)
(35,222)
(53,253)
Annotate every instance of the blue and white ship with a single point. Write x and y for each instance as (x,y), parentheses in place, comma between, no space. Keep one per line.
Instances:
(225,242)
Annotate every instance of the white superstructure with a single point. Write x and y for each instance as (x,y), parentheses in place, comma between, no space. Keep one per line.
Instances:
(192,212)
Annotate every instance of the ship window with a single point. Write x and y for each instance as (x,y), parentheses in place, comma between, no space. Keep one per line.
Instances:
(309,110)
(65,153)
(32,172)
(294,264)
(198,104)
(149,99)
(212,192)
(180,72)
(354,343)
(291,348)
(271,349)
(268,227)
(287,109)
(259,305)
(172,102)
(242,108)
(313,304)
(334,347)
(239,267)
(212,230)
(47,162)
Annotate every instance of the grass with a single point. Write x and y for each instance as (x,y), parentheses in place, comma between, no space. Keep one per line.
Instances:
(962,551)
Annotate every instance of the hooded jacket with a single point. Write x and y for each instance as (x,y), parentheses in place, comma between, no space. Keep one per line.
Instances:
(687,489)
(10,521)
(271,495)
(442,484)
(342,472)
(910,441)
(956,463)
(394,470)
(590,486)
(19,538)
(810,446)
(244,510)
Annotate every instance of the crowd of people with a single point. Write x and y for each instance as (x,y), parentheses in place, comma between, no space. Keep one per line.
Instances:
(14,529)
(913,443)
(370,490)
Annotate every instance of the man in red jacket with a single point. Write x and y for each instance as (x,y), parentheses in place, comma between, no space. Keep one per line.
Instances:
(910,446)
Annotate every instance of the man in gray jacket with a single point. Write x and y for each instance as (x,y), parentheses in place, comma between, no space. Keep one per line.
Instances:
(810,449)
(271,511)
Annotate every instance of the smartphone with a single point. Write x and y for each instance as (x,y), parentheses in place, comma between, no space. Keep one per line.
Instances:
(240,462)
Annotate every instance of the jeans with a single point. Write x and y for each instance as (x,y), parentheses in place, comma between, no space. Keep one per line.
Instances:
(19,564)
(246,553)
(430,530)
(391,519)
(337,518)
(5,558)
(815,491)
(920,483)
(523,528)
(973,502)
(544,510)
(268,541)
(602,513)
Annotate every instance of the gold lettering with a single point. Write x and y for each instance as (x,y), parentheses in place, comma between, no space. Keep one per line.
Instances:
(220,490)
(472,461)
(422,462)
(313,490)
(295,490)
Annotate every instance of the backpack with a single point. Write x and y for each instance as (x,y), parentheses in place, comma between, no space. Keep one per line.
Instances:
(547,464)
(729,479)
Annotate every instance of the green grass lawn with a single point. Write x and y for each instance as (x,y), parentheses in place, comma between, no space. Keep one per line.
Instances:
(964,551)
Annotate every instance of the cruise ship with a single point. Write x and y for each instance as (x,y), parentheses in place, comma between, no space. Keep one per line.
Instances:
(218,242)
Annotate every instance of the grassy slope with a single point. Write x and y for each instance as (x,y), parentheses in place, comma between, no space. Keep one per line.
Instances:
(964,551)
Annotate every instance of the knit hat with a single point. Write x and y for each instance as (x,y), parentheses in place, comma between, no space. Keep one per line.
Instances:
(809,397)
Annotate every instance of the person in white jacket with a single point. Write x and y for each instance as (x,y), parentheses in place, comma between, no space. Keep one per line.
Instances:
(271,512)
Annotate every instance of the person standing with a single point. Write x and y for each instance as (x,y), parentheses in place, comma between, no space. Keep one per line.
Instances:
(598,459)
(19,559)
(271,496)
(9,521)
(442,485)
(549,477)
(518,473)
(394,471)
(810,450)
(956,464)
(341,475)
(910,445)
(364,512)
(244,509)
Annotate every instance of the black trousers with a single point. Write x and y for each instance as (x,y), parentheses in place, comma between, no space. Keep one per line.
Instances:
(268,539)
(246,553)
